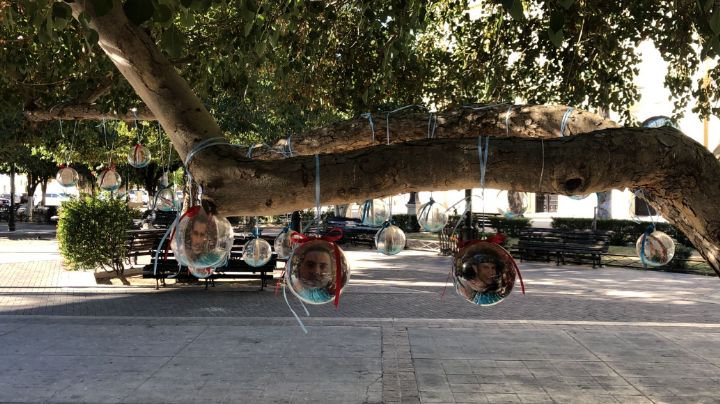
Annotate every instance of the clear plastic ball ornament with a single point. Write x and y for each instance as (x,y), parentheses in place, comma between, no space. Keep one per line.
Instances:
(517,202)
(432,216)
(202,240)
(201,273)
(139,156)
(374,212)
(483,273)
(390,240)
(109,179)
(284,245)
(67,177)
(165,200)
(655,249)
(312,271)
(257,252)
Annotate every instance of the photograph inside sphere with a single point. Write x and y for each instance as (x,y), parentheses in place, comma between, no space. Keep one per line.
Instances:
(483,273)
(311,272)
(655,249)
(203,240)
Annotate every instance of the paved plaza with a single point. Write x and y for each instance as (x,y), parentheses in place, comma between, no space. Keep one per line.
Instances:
(579,335)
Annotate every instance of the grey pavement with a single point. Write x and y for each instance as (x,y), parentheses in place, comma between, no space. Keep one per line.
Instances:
(578,335)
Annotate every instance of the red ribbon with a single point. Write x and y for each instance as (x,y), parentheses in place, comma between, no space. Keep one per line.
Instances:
(301,238)
(137,151)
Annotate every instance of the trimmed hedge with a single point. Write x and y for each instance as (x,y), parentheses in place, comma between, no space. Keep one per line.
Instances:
(625,232)
(91,232)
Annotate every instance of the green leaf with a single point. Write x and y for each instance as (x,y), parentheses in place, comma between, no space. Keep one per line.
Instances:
(715,21)
(186,3)
(163,14)
(557,21)
(248,27)
(708,5)
(102,7)
(556,37)
(514,8)
(567,3)
(92,37)
(138,11)
(62,14)
(187,19)
(173,42)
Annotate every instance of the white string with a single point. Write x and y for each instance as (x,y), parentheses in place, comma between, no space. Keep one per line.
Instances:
(372,124)
(507,120)
(307,313)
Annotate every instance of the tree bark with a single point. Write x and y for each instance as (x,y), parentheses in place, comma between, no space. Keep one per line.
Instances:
(678,175)
(85,112)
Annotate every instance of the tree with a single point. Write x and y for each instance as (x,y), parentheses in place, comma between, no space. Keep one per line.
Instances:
(378,61)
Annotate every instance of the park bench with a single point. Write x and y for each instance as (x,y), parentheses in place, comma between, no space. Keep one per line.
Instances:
(236,268)
(448,241)
(562,245)
(140,243)
(353,230)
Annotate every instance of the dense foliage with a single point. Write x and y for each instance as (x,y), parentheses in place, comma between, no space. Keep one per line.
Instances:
(92,231)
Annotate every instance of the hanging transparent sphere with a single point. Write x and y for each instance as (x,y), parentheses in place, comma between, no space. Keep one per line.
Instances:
(517,202)
(374,212)
(283,244)
(658,249)
(202,240)
(201,273)
(432,216)
(312,272)
(257,252)
(67,177)
(390,240)
(139,156)
(109,180)
(578,197)
(483,273)
(165,200)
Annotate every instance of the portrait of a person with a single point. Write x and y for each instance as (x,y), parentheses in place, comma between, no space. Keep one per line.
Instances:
(200,241)
(482,277)
(314,272)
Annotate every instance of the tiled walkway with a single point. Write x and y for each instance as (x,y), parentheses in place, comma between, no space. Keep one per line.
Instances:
(578,335)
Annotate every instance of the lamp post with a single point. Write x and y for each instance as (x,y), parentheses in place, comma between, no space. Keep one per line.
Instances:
(412,225)
(11,213)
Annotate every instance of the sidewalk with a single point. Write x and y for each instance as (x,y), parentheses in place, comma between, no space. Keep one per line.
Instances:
(579,335)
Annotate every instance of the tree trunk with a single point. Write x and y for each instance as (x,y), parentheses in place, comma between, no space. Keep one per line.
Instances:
(678,175)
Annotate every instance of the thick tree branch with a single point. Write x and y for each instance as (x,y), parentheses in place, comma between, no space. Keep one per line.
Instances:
(180,112)
(84,112)
(677,173)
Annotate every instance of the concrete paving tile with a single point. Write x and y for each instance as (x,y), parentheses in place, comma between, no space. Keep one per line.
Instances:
(623,399)
(462,379)
(534,398)
(465,388)
(503,398)
(436,397)
(470,398)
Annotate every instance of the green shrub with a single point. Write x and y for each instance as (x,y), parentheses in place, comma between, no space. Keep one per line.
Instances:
(624,231)
(682,253)
(91,233)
